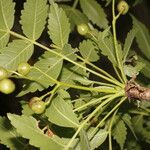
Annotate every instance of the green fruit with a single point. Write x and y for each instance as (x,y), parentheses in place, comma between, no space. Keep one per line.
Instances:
(33,100)
(38,107)
(7,86)
(82,29)
(23,68)
(123,7)
(3,73)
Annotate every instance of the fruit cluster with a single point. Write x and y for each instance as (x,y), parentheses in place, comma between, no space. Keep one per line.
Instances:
(7,86)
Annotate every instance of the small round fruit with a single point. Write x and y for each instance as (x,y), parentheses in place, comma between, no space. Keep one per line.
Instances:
(7,86)
(23,68)
(3,73)
(123,7)
(33,100)
(82,29)
(38,107)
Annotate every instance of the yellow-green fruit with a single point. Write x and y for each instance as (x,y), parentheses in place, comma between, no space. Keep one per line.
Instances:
(82,29)
(7,86)
(3,73)
(123,7)
(33,100)
(38,107)
(23,68)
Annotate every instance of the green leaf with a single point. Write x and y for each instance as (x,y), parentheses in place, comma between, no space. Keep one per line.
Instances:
(132,144)
(88,51)
(128,42)
(127,119)
(33,18)
(6,20)
(84,141)
(140,124)
(94,12)
(26,110)
(146,69)
(75,16)
(61,113)
(83,81)
(71,73)
(69,52)
(119,133)
(58,25)
(97,138)
(9,136)
(44,71)
(133,70)
(28,128)
(142,37)
(106,45)
(16,52)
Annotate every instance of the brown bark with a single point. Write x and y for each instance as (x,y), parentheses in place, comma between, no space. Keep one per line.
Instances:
(135,91)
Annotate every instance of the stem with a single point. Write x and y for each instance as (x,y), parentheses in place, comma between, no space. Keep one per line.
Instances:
(75,3)
(138,113)
(101,89)
(118,74)
(90,116)
(108,114)
(120,65)
(66,58)
(94,102)
(105,90)
(109,130)
(52,94)
(98,69)
(145,109)
(102,83)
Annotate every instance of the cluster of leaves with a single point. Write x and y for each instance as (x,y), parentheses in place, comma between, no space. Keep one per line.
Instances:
(80,113)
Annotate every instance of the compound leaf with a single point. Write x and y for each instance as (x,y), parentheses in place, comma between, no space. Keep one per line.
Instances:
(142,37)
(97,138)
(6,20)
(88,51)
(33,18)
(58,25)
(128,42)
(59,112)
(71,73)
(132,70)
(106,45)
(16,52)
(119,133)
(141,127)
(84,140)
(94,12)
(45,71)
(146,69)
(9,136)
(28,128)
(75,16)
(127,119)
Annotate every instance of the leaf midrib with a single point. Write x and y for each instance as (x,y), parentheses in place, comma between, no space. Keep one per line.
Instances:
(61,113)
(13,59)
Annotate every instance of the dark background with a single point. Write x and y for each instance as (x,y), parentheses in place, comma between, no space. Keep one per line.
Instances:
(8,103)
